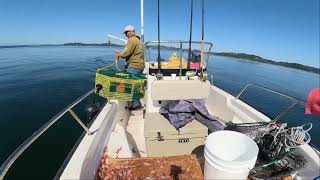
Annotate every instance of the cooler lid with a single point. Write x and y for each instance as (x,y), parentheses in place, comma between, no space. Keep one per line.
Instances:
(155,123)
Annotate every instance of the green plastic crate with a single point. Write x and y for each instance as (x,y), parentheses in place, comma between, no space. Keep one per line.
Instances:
(122,86)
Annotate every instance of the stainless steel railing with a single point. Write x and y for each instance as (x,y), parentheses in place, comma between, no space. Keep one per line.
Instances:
(180,43)
(16,154)
(283,113)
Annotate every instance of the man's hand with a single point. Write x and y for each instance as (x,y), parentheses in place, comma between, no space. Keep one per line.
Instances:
(118,55)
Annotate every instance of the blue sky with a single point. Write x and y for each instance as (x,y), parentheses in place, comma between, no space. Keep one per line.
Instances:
(281,30)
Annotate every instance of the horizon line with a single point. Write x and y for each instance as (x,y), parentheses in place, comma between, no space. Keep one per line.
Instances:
(57,44)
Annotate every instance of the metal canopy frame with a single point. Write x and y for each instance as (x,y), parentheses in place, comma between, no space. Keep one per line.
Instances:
(180,43)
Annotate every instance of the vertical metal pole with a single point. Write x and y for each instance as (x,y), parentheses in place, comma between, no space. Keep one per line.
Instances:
(208,55)
(190,37)
(159,58)
(180,68)
(149,49)
(142,21)
(202,37)
(142,28)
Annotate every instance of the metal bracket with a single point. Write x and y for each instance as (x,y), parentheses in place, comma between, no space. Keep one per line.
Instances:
(80,122)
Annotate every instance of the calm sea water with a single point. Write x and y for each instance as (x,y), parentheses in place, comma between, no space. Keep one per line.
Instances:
(37,82)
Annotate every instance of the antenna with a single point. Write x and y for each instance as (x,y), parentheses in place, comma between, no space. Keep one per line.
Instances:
(202,37)
(189,52)
(142,22)
(142,28)
(159,58)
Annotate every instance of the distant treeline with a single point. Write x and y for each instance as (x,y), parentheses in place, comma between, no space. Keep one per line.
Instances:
(19,46)
(92,44)
(252,57)
(84,44)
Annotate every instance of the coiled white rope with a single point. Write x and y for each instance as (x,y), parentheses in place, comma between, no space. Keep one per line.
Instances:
(298,136)
(294,137)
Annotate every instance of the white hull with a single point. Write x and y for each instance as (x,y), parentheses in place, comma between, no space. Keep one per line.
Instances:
(122,132)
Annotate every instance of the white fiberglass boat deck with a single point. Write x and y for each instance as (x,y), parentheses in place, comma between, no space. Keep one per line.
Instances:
(122,131)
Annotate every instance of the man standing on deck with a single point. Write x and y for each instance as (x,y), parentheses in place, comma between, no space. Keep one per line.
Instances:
(133,54)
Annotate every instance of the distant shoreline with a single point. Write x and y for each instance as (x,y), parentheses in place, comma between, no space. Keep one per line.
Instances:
(17,46)
(244,56)
(259,59)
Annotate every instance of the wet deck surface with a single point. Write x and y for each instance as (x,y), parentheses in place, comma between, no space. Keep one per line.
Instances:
(175,167)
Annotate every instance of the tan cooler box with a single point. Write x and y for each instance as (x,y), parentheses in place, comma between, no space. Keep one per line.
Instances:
(162,139)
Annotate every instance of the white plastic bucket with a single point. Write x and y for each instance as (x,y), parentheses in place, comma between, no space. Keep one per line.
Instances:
(229,155)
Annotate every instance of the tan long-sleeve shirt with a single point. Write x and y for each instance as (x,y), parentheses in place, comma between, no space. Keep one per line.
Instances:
(133,53)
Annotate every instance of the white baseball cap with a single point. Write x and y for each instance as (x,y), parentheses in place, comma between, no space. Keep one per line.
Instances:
(128,28)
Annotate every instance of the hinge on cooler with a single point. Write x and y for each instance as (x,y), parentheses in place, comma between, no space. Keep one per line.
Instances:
(160,138)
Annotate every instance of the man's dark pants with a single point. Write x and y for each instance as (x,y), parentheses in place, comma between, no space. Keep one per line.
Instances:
(135,103)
